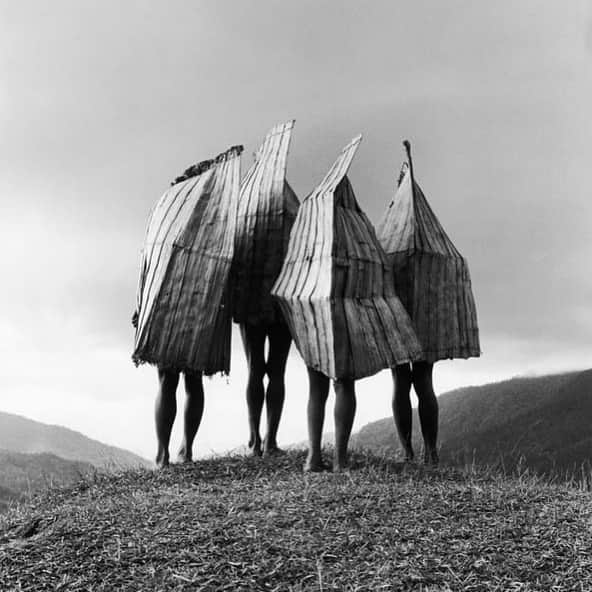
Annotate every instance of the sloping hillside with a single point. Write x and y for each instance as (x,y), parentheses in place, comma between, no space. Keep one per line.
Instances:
(546,420)
(19,434)
(244,524)
(22,474)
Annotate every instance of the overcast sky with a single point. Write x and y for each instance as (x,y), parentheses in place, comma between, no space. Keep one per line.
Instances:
(103,103)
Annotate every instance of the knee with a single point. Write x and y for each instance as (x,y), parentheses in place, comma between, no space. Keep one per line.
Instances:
(318,384)
(168,380)
(193,384)
(345,384)
(402,374)
(256,370)
(422,387)
(275,372)
(345,389)
(402,379)
(422,379)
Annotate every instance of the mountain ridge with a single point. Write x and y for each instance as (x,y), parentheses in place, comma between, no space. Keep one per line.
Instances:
(22,474)
(538,420)
(23,435)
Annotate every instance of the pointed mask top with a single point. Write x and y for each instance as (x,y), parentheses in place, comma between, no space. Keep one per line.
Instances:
(339,168)
(407,145)
(270,145)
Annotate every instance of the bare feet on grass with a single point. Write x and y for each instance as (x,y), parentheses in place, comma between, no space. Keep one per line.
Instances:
(272,451)
(430,457)
(255,447)
(185,456)
(340,467)
(270,448)
(315,464)
(340,459)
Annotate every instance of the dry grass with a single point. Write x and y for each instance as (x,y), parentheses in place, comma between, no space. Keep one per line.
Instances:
(248,524)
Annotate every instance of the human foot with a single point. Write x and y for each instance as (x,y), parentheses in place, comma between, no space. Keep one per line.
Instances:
(340,467)
(315,465)
(270,448)
(184,456)
(162,459)
(430,457)
(255,449)
(409,455)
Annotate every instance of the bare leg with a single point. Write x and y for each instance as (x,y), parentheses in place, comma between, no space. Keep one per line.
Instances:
(164,413)
(254,346)
(402,379)
(428,409)
(194,406)
(317,398)
(345,411)
(279,346)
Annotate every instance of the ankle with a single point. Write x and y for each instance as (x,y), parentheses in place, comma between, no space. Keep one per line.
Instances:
(162,458)
(185,454)
(340,463)
(430,457)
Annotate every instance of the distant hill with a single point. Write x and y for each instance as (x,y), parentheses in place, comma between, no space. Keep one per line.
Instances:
(546,421)
(19,434)
(25,473)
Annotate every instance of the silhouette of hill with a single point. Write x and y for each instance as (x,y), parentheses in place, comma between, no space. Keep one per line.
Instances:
(20,434)
(544,421)
(22,473)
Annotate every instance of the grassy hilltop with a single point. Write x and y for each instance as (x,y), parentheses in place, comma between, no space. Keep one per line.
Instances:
(249,524)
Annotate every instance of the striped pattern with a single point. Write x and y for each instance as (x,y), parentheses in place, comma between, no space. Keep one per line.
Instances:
(184,314)
(431,276)
(266,212)
(335,288)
